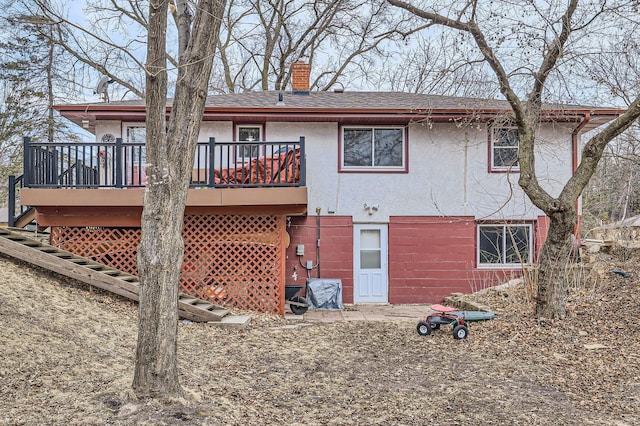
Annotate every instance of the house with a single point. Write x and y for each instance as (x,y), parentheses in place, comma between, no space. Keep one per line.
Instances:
(404,197)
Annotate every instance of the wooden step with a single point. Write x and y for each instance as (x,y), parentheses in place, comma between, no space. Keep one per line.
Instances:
(130,278)
(29,217)
(46,249)
(95,266)
(32,243)
(195,313)
(107,278)
(62,254)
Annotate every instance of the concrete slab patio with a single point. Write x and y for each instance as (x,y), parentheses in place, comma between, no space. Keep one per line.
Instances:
(369,312)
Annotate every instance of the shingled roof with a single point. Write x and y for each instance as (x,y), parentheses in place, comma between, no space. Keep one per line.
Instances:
(343,106)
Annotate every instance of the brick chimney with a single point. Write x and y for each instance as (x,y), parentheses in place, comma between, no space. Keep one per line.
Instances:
(300,73)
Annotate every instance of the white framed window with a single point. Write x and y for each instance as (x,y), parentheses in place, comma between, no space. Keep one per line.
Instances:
(504,147)
(249,151)
(504,245)
(373,148)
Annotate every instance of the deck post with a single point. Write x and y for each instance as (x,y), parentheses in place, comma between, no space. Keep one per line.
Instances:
(26,166)
(212,156)
(118,165)
(11,213)
(303,164)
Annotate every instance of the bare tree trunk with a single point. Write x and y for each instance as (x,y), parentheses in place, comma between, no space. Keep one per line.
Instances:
(170,152)
(552,273)
(160,250)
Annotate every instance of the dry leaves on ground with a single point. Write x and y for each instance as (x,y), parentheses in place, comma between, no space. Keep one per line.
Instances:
(67,358)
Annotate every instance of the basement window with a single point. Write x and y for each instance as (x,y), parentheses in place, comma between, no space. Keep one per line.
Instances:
(504,245)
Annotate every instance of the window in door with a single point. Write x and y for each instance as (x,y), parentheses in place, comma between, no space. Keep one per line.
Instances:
(370,249)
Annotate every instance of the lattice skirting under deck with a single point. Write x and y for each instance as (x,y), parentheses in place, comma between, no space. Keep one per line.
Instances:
(233,260)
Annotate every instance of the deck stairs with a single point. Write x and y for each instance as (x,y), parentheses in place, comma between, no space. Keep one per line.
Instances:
(18,244)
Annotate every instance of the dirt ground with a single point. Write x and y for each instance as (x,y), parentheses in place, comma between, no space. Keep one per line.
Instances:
(67,354)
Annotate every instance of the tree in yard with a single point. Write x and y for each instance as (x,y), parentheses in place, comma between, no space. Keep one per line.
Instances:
(259,40)
(528,45)
(170,151)
(613,193)
(103,42)
(28,79)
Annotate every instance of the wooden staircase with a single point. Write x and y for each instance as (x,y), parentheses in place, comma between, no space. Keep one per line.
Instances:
(16,244)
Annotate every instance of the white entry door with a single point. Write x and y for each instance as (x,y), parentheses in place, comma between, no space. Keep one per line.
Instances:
(370,259)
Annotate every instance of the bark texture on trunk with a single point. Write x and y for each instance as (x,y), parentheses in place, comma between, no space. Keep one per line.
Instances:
(170,152)
(555,256)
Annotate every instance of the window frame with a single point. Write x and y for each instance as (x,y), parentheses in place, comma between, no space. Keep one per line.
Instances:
(503,255)
(238,148)
(142,153)
(134,158)
(403,168)
(493,168)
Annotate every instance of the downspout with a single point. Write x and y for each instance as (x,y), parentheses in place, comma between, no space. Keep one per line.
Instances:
(318,210)
(575,163)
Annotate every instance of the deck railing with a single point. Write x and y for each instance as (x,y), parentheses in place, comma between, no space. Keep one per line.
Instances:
(122,165)
(15,210)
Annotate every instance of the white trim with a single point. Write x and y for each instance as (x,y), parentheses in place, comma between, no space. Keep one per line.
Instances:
(493,166)
(239,158)
(377,285)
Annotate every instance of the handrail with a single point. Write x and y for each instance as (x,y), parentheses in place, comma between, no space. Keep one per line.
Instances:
(15,183)
(122,165)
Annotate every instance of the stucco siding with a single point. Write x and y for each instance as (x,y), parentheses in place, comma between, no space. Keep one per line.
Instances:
(448,174)
(448,171)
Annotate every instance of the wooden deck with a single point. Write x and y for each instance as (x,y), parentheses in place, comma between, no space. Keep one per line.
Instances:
(123,207)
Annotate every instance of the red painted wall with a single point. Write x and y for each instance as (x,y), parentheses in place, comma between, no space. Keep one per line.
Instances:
(336,250)
(429,257)
(540,229)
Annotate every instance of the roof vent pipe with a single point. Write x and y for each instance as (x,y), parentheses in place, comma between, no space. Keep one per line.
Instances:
(280,99)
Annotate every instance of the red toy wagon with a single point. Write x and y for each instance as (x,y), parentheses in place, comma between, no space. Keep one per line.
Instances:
(448,315)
